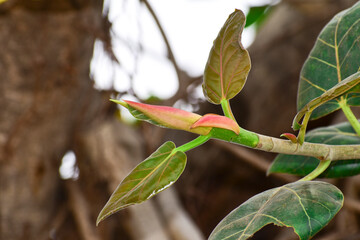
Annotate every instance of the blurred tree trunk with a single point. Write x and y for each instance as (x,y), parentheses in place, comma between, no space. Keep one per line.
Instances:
(49,107)
(45,50)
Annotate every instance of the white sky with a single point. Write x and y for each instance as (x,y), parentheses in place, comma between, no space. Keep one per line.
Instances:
(190,25)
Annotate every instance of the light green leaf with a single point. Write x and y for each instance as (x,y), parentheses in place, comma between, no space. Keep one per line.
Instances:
(334,57)
(340,134)
(156,173)
(228,64)
(305,206)
(350,85)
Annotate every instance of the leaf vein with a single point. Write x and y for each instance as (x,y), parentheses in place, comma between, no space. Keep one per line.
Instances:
(326,43)
(302,206)
(348,31)
(312,84)
(348,52)
(322,61)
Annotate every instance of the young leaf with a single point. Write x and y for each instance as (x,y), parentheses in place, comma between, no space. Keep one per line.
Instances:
(350,85)
(214,120)
(289,136)
(164,116)
(305,206)
(156,173)
(340,134)
(333,59)
(228,64)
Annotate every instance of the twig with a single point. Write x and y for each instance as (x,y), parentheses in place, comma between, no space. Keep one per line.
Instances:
(167,43)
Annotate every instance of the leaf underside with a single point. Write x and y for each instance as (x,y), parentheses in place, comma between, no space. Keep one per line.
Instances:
(156,173)
(350,85)
(305,206)
(335,57)
(228,64)
(340,134)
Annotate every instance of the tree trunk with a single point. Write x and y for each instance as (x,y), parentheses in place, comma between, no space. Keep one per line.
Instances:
(45,89)
(50,107)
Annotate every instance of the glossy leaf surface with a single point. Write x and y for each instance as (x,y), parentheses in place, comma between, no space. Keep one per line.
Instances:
(228,64)
(305,206)
(340,134)
(156,173)
(334,57)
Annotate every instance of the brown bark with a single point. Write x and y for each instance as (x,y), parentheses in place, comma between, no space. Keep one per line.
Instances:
(44,67)
(49,108)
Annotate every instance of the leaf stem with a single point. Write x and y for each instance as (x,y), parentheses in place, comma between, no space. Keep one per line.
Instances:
(323,165)
(225,105)
(277,145)
(193,144)
(351,117)
(301,135)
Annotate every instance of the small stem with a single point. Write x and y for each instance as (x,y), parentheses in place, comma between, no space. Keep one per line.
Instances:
(277,145)
(323,165)
(301,135)
(351,117)
(193,144)
(225,104)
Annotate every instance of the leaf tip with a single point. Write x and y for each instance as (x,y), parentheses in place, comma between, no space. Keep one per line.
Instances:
(290,137)
(122,103)
(214,120)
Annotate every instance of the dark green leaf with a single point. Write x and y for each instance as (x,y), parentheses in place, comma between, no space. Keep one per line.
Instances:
(156,173)
(228,64)
(340,134)
(256,15)
(334,57)
(305,206)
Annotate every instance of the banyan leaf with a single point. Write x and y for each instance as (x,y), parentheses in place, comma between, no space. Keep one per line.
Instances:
(334,57)
(228,64)
(350,85)
(165,116)
(305,206)
(156,173)
(257,15)
(340,134)
(214,120)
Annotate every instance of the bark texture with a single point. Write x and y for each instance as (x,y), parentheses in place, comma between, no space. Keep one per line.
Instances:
(49,107)
(45,87)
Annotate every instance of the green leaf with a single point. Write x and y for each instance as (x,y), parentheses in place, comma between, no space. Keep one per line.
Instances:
(256,15)
(334,57)
(305,206)
(350,85)
(156,173)
(228,64)
(340,134)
